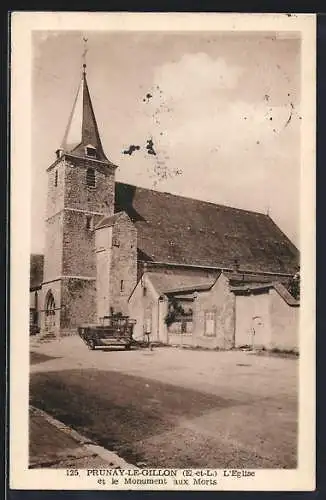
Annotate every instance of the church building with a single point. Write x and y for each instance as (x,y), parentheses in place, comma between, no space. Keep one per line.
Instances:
(188,271)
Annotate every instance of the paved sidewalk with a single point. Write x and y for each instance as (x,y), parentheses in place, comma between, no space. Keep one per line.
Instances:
(54,445)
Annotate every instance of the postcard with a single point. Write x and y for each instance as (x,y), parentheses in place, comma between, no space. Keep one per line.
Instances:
(162,251)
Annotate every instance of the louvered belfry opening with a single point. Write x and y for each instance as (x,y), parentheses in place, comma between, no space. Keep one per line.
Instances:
(90,177)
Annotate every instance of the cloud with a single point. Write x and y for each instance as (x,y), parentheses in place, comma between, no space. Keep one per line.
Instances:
(234,127)
(196,75)
(200,125)
(195,102)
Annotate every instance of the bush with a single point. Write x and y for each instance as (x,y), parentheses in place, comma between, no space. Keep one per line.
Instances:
(175,311)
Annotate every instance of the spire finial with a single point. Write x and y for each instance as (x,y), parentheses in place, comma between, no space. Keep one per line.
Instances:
(85,40)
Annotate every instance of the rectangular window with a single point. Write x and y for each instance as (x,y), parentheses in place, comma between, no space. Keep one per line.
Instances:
(115,241)
(210,324)
(89,222)
(90,177)
(121,286)
(90,151)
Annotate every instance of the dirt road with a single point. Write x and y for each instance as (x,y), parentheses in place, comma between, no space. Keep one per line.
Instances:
(172,407)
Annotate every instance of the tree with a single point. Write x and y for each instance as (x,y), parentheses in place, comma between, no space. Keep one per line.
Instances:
(175,310)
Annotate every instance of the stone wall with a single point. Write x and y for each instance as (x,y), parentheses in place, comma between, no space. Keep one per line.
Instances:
(285,323)
(80,196)
(78,244)
(220,301)
(123,271)
(78,302)
(103,243)
(53,247)
(143,307)
(74,209)
(265,320)
(253,325)
(53,287)
(55,193)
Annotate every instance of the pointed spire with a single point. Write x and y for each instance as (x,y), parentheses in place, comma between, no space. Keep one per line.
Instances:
(82,135)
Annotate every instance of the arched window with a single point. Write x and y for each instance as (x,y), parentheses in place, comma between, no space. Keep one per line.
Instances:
(90,177)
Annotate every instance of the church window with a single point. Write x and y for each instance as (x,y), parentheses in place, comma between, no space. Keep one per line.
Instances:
(90,151)
(89,222)
(90,177)
(56,178)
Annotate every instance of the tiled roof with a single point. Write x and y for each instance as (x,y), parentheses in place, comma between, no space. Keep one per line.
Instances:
(187,231)
(196,287)
(168,282)
(256,287)
(238,278)
(109,221)
(36,270)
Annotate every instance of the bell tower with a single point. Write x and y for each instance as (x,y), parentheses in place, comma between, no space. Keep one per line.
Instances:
(80,193)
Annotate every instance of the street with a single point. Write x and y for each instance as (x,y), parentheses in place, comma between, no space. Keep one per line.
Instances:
(173,407)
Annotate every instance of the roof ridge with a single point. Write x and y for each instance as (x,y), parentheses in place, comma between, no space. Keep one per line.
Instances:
(219,205)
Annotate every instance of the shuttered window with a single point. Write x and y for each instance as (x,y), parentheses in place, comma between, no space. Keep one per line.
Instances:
(90,177)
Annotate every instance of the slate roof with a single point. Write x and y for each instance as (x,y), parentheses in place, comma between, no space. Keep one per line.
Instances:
(178,230)
(36,270)
(175,229)
(82,127)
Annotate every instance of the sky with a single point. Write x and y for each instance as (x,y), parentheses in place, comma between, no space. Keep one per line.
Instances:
(222,110)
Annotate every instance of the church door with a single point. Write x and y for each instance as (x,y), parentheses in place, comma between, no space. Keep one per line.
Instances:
(49,312)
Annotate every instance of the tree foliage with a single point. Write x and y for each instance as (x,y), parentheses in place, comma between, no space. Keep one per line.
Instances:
(175,310)
(294,286)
